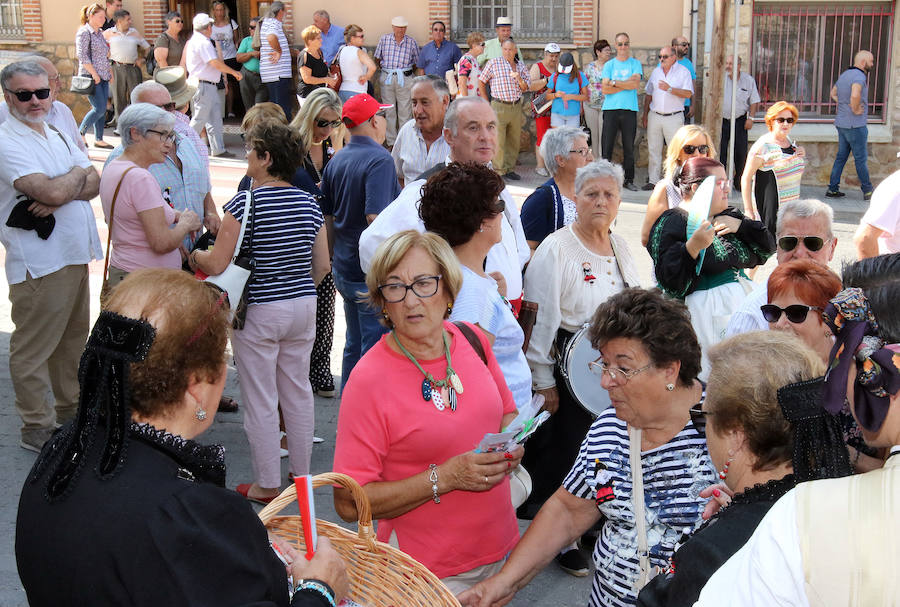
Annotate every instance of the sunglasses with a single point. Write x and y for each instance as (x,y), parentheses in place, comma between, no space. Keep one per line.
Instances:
(789,243)
(690,149)
(795,313)
(789,120)
(169,107)
(323,123)
(24,96)
(623,44)
(663,56)
(252,27)
(683,44)
(177,20)
(698,418)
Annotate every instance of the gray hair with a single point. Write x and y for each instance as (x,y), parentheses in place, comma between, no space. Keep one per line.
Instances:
(147,86)
(804,208)
(599,169)
(438,85)
(171,15)
(451,118)
(558,142)
(274,8)
(322,13)
(142,117)
(29,68)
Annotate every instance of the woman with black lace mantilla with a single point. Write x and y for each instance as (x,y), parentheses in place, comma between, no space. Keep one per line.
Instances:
(123,507)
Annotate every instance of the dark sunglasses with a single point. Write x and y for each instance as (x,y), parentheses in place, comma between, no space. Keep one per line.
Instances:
(623,44)
(663,56)
(698,418)
(177,20)
(789,120)
(167,106)
(332,123)
(24,96)
(789,243)
(252,27)
(795,313)
(683,44)
(690,149)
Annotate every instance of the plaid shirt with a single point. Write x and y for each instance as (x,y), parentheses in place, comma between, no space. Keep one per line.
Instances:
(395,56)
(183,128)
(498,73)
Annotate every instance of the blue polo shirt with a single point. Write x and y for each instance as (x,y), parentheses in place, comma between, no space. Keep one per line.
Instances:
(845,117)
(436,60)
(619,71)
(686,62)
(360,180)
(332,41)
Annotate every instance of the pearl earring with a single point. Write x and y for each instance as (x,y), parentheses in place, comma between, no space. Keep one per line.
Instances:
(670,387)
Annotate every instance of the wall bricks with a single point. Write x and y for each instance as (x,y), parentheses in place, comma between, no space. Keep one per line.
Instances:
(439,10)
(31,17)
(154,13)
(582,22)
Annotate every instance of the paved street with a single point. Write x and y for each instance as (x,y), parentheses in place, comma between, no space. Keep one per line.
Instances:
(551,587)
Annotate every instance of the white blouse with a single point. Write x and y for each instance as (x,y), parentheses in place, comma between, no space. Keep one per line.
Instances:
(568,281)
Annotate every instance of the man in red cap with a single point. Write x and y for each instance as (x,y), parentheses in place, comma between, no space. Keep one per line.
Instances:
(357,184)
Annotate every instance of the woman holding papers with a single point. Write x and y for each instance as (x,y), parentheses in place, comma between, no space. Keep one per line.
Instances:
(413,411)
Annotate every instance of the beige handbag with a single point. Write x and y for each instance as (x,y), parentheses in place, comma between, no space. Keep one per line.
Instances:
(106,290)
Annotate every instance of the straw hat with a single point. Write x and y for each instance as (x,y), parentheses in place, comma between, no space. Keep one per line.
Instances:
(175,80)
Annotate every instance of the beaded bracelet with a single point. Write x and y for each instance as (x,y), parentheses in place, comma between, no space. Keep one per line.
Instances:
(317,586)
(433,477)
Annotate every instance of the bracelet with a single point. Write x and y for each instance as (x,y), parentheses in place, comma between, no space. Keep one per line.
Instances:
(317,586)
(433,477)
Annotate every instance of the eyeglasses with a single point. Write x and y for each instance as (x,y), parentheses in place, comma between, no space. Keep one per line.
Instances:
(796,313)
(724,185)
(252,27)
(395,292)
(24,96)
(324,123)
(167,137)
(623,44)
(169,107)
(789,243)
(698,418)
(598,367)
(789,120)
(664,56)
(690,149)
(585,152)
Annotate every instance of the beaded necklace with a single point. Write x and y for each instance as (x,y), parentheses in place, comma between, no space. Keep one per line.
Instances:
(431,387)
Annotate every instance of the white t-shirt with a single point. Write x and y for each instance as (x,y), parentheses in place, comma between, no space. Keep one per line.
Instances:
(224,36)
(884,214)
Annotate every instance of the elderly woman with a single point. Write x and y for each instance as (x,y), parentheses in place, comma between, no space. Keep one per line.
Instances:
(134,508)
(93,61)
(798,292)
(169,47)
(273,348)
(774,167)
(649,364)
(750,421)
(468,68)
(145,230)
(313,69)
(357,68)
(540,74)
(275,57)
(552,205)
(471,224)
(690,141)
(705,269)
(835,542)
(414,407)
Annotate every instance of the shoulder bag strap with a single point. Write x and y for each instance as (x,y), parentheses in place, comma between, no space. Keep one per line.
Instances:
(637,500)
(472,338)
(56,130)
(112,210)
(247,218)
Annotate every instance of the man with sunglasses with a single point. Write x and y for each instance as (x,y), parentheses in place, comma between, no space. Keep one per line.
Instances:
(60,115)
(439,55)
(747,103)
(669,85)
(803,231)
(682,46)
(48,230)
(622,76)
(851,93)
(252,89)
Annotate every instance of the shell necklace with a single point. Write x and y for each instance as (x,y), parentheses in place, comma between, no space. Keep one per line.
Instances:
(431,387)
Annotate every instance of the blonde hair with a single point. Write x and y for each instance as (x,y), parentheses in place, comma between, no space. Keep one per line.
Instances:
(318,100)
(390,252)
(350,31)
(310,32)
(474,38)
(673,152)
(262,112)
(776,109)
(89,10)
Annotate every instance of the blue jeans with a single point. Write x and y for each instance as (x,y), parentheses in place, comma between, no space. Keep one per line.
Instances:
(97,115)
(363,326)
(851,139)
(280,93)
(346,95)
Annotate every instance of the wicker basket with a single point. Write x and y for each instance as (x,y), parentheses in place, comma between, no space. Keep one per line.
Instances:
(380,575)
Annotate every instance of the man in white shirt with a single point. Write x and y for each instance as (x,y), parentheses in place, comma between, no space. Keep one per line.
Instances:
(470,128)
(879,231)
(45,183)
(746,105)
(420,142)
(669,85)
(803,231)
(60,115)
(124,42)
(206,67)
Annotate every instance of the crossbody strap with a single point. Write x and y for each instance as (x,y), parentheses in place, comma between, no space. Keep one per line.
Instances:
(472,338)
(112,210)
(637,500)
(247,218)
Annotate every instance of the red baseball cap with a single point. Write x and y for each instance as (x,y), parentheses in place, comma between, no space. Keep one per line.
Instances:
(360,108)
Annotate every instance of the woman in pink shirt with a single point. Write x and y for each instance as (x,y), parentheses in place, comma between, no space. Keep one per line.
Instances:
(414,409)
(145,230)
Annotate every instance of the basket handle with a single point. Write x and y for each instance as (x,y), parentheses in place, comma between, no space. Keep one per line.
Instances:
(363,509)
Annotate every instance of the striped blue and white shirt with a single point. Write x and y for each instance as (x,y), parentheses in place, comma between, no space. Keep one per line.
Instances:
(674,475)
(284,228)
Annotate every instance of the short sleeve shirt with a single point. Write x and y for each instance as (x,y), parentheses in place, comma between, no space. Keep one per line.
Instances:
(175,47)
(884,214)
(618,71)
(246,46)
(664,102)
(436,61)
(199,51)
(686,62)
(468,67)
(562,84)
(268,71)
(845,117)
(395,56)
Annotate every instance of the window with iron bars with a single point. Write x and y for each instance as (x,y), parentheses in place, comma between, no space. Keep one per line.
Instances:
(799,49)
(538,20)
(12,26)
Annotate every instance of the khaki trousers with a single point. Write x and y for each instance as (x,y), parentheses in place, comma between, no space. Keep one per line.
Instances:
(509,132)
(51,315)
(401,98)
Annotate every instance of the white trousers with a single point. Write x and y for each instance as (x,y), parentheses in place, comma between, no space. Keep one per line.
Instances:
(660,130)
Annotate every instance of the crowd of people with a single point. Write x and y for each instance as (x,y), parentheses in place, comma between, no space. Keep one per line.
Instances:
(697,481)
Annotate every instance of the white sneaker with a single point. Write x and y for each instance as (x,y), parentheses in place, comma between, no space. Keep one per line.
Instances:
(317,440)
